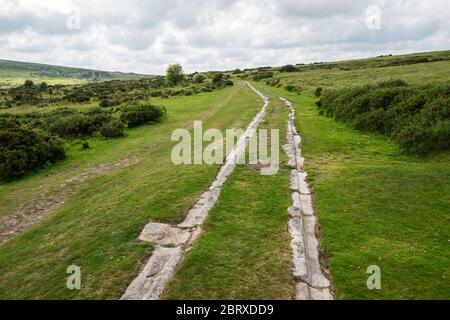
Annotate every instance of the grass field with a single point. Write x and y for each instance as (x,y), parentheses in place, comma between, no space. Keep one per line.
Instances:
(98,225)
(14,73)
(377,207)
(12,77)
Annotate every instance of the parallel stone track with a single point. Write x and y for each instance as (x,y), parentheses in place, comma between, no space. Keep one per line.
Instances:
(172,242)
(310,283)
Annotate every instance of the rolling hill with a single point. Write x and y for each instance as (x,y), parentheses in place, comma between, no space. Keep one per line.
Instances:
(15,72)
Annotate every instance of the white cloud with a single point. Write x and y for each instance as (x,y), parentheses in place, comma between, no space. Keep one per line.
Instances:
(144,36)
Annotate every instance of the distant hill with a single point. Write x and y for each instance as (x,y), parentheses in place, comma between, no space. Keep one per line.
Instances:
(14,72)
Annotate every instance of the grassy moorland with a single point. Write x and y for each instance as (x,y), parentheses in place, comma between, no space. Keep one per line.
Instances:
(13,73)
(376,206)
(105,195)
(244,252)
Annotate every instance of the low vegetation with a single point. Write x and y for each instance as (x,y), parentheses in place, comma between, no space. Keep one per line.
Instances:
(44,130)
(418,117)
(23,148)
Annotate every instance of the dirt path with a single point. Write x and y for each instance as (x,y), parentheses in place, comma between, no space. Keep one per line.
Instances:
(33,211)
(173,242)
(310,282)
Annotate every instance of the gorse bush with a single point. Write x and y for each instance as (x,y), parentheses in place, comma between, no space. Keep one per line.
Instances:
(23,148)
(418,117)
(288,68)
(135,114)
(318,91)
(112,129)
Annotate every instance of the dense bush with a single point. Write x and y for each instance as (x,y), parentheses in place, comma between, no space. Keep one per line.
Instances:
(109,103)
(23,148)
(291,87)
(418,117)
(318,91)
(199,78)
(288,68)
(79,124)
(135,114)
(263,75)
(217,78)
(112,129)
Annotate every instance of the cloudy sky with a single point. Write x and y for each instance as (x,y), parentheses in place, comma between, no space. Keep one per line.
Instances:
(144,36)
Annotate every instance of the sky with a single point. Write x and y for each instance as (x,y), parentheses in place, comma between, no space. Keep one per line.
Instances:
(144,36)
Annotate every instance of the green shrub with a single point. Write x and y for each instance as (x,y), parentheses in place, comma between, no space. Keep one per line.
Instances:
(23,148)
(199,78)
(262,75)
(112,129)
(218,77)
(135,114)
(318,92)
(79,124)
(108,103)
(288,68)
(290,87)
(418,117)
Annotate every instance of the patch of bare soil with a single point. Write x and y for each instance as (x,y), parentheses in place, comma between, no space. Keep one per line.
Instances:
(34,210)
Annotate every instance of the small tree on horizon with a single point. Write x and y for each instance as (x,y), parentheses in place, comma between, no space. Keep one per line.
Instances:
(175,74)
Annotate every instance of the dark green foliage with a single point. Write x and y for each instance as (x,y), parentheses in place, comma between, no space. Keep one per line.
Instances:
(28,84)
(112,129)
(418,117)
(79,95)
(318,92)
(85,145)
(175,74)
(199,78)
(290,87)
(273,82)
(288,68)
(43,87)
(109,103)
(218,77)
(78,124)
(262,75)
(23,148)
(135,114)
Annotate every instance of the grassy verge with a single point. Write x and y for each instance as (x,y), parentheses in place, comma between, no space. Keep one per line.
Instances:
(377,207)
(244,252)
(97,227)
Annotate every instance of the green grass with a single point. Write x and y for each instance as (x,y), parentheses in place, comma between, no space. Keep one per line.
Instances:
(244,252)
(97,227)
(13,73)
(415,74)
(377,207)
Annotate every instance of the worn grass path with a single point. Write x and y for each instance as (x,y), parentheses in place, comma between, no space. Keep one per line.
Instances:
(98,226)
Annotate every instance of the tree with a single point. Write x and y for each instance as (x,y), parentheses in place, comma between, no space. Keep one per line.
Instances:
(175,74)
